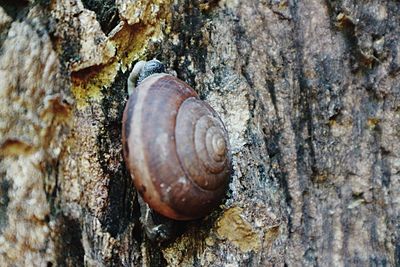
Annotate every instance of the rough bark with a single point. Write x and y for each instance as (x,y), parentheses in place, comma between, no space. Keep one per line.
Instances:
(310,94)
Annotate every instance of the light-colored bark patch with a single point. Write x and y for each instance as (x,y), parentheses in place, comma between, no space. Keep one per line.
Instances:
(237,230)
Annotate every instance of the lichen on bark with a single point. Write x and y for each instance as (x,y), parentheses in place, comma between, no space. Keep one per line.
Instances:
(309,93)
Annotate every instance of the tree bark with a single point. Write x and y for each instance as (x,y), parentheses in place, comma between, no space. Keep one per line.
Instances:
(310,95)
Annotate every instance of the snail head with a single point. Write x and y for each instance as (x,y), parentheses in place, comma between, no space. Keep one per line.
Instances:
(142,70)
(150,67)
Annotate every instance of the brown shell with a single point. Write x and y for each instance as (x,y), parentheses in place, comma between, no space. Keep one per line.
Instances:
(176,148)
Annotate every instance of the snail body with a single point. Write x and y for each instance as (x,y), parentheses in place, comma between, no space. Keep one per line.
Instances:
(175,147)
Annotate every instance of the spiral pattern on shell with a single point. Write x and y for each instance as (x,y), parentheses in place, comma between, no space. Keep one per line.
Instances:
(176,148)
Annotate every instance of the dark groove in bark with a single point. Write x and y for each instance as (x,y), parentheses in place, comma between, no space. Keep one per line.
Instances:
(120,211)
(69,248)
(4,200)
(106,13)
(305,150)
(189,26)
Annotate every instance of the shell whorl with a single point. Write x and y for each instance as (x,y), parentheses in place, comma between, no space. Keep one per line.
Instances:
(177,150)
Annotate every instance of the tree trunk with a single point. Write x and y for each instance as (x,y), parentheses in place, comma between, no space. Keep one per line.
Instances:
(310,95)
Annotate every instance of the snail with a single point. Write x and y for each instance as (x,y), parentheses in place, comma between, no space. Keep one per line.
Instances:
(175,145)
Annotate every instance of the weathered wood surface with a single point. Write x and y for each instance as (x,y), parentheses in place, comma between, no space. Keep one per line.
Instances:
(310,94)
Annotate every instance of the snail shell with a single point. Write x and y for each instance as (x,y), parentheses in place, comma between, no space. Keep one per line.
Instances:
(176,148)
